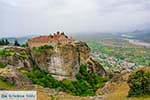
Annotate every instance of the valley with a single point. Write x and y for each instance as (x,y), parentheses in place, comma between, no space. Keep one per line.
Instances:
(140,43)
(120,53)
(56,70)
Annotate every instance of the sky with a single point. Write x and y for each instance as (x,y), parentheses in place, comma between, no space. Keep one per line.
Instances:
(25,17)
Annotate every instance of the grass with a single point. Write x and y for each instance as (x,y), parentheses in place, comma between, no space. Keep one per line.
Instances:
(6,52)
(39,50)
(121,93)
(21,54)
(42,95)
(73,98)
(2,65)
(6,85)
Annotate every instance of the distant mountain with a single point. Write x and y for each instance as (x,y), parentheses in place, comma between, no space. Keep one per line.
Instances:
(93,36)
(143,35)
(137,34)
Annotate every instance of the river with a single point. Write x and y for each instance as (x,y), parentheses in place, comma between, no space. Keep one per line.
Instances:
(138,42)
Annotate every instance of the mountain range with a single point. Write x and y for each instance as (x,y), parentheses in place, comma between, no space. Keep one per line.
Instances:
(143,35)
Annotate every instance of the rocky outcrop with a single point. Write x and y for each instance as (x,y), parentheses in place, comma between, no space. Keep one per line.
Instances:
(13,76)
(63,60)
(17,57)
(12,60)
(95,66)
(8,74)
(117,80)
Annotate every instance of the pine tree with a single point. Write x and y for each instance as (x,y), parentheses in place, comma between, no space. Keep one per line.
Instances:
(6,42)
(3,42)
(16,43)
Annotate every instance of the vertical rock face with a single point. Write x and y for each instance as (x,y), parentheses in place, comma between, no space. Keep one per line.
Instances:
(63,60)
(83,51)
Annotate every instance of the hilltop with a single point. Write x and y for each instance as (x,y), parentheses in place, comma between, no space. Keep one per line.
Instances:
(55,62)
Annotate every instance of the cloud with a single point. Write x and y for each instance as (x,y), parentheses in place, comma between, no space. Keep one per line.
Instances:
(19,17)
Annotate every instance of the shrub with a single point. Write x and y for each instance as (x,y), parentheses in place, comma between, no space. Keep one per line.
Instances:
(5,84)
(46,47)
(85,85)
(6,52)
(94,80)
(25,45)
(139,83)
(2,52)
(42,78)
(42,48)
(2,65)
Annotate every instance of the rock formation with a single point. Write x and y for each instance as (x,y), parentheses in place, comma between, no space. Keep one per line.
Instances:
(64,59)
(17,57)
(61,60)
(12,59)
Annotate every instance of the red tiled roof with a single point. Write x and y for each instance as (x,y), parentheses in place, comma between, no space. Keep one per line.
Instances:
(41,39)
(50,38)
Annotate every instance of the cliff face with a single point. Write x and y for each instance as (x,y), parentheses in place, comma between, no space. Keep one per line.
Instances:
(63,60)
(60,60)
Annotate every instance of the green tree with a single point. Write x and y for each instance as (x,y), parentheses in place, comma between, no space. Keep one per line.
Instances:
(6,42)
(16,43)
(139,83)
(3,42)
(85,85)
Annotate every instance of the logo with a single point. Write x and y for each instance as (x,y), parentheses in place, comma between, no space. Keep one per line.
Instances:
(18,95)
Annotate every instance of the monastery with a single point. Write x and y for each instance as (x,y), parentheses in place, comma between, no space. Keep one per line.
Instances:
(56,38)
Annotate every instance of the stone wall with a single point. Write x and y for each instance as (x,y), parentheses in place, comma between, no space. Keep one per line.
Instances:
(38,44)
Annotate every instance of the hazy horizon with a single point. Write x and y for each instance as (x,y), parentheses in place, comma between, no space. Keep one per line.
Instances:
(25,17)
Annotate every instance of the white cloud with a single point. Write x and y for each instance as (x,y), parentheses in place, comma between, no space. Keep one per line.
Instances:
(44,16)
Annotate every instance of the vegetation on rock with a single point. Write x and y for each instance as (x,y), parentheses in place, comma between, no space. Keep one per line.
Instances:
(5,84)
(139,83)
(24,45)
(6,52)
(85,85)
(11,52)
(42,48)
(2,65)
